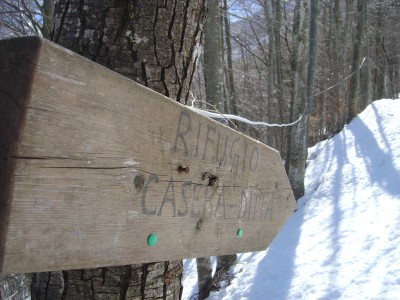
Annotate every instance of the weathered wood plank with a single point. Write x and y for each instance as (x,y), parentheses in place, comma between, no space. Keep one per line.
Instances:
(93,163)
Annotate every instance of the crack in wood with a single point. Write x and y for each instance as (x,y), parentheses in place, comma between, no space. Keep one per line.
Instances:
(43,158)
(12,98)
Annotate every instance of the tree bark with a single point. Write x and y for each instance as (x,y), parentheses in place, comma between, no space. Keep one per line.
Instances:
(156,44)
(230,80)
(379,76)
(213,68)
(354,93)
(297,144)
(15,287)
(48,12)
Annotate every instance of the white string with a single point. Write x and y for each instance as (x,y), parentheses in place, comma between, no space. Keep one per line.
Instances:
(214,115)
(218,115)
(229,117)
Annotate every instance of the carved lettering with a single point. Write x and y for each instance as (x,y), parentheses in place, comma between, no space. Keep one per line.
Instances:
(256,196)
(169,198)
(209,128)
(152,178)
(244,157)
(226,146)
(249,208)
(232,157)
(235,158)
(196,152)
(221,203)
(184,187)
(243,205)
(184,128)
(196,200)
(254,159)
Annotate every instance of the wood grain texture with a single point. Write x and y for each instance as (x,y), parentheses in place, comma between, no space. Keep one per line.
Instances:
(102,162)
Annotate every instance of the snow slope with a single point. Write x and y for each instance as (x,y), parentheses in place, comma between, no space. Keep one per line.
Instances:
(344,240)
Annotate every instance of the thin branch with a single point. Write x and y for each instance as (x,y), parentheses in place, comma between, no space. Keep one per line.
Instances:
(249,50)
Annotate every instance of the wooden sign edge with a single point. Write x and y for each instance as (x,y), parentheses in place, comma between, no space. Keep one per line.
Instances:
(9,134)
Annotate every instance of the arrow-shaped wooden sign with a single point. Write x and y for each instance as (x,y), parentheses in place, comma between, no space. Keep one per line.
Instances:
(97,170)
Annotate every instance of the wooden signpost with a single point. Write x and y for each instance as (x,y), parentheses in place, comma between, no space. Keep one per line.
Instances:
(96,170)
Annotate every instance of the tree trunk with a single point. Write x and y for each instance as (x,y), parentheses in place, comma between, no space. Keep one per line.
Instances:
(336,112)
(379,76)
(230,80)
(297,149)
(278,80)
(213,68)
(48,12)
(271,108)
(354,93)
(156,44)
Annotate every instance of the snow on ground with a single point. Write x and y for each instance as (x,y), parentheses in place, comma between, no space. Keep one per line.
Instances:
(344,240)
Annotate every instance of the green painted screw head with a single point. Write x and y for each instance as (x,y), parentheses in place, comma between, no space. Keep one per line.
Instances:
(152,239)
(239,233)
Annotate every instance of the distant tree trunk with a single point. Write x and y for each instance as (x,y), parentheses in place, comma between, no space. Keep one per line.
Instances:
(312,54)
(354,92)
(154,43)
(271,109)
(213,68)
(47,10)
(232,100)
(365,78)
(273,58)
(378,89)
(344,47)
(278,74)
(332,104)
(297,149)
(296,143)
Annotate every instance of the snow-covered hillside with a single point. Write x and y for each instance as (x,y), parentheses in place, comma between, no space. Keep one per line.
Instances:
(343,242)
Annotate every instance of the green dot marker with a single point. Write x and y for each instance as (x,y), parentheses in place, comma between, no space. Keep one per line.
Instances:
(152,239)
(239,233)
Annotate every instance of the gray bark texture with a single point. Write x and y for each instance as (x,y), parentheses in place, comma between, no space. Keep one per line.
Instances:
(213,68)
(156,44)
(230,77)
(148,281)
(297,144)
(48,12)
(354,92)
(15,287)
